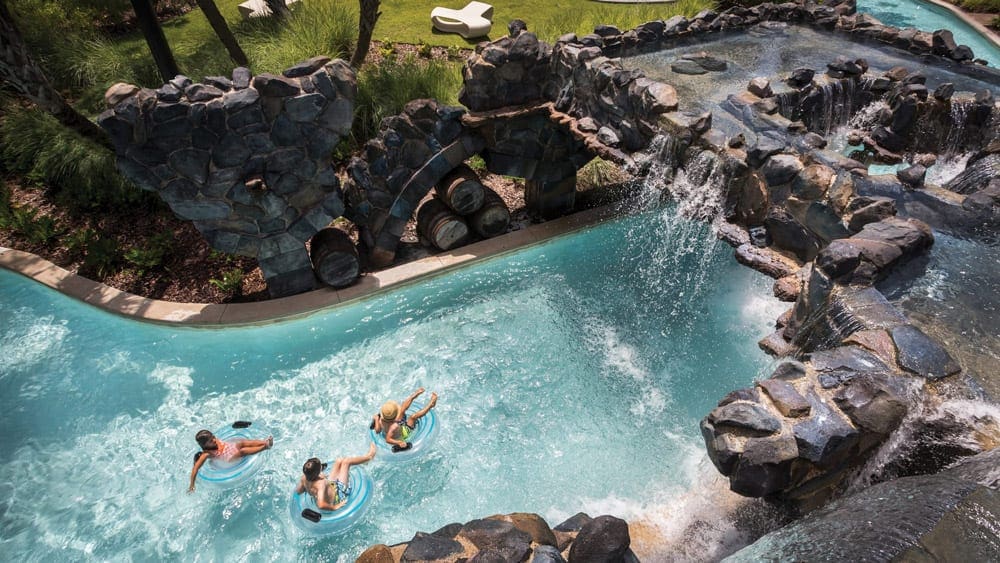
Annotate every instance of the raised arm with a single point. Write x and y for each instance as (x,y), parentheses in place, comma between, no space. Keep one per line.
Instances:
(194,470)
(409,401)
(301,487)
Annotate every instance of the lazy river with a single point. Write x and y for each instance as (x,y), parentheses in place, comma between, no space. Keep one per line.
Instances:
(572,376)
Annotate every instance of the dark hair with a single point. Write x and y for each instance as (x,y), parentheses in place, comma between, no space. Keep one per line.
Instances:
(206,440)
(311,468)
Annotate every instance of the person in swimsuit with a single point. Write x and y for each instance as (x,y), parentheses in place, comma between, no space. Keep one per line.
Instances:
(395,425)
(212,447)
(331,490)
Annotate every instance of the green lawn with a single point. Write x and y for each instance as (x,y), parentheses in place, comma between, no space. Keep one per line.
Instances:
(329,27)
(408,21)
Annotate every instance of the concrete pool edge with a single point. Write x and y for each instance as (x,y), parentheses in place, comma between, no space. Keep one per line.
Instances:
(970,21)
(146,309)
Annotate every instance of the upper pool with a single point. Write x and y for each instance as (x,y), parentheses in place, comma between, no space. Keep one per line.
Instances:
(572,376)
(929,17)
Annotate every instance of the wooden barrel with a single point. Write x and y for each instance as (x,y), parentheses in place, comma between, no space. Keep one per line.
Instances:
(461,190)
(492,218)
(334,257)
(439,225)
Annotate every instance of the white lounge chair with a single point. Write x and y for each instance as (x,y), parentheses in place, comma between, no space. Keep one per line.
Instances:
(474,20)
(258,8)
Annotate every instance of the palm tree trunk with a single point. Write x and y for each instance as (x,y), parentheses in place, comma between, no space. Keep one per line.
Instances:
(22,74)
(218,23)
(157,42)
(367,17)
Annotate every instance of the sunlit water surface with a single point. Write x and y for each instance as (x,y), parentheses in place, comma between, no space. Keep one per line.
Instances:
(572,376)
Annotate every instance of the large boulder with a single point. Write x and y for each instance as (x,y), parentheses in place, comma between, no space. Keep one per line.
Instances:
(604,539)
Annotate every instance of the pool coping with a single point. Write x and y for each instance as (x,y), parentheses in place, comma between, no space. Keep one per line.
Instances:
(964,16)
(146,309)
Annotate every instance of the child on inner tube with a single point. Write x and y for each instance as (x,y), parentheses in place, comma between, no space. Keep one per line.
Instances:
(212,447)
(395,425)
(331,490)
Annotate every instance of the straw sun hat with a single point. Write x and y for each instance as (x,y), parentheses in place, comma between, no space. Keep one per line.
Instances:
(390,410)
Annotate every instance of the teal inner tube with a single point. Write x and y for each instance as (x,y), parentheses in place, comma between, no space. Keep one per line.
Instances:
(221,474)
(335,521)
(420,438)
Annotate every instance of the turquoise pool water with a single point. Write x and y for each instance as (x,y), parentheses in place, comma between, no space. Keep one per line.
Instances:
(572,376)
(928,17)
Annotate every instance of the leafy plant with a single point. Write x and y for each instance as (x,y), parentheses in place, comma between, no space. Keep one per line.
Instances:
(454,53)
(231,282)
(151,255)
(387,49)
(476,163)
(77,242)
(424,50)
(6,206)
(27,222)
(103,255)
(42,230)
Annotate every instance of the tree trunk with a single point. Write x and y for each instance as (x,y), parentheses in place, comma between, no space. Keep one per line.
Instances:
(279,10)
(367,17)
(22,75)
(157,42)
(218,23)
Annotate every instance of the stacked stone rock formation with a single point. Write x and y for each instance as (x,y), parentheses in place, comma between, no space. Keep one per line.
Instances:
(246,159)
(827,236)
(515,537)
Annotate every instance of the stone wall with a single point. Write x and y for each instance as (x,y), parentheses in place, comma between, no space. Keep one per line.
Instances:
(246,159)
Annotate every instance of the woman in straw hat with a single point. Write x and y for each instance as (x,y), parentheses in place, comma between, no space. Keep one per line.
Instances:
(393,422)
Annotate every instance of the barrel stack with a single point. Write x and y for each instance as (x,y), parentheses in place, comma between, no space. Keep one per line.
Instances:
(461,203)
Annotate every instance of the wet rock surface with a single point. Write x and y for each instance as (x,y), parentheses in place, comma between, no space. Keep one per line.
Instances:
(514,538)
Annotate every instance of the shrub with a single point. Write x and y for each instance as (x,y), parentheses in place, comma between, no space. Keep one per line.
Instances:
(231,282)
(387,49)
(6,206)
(424,50)
(153,254)
(102,256)
(81,172)
(29,224)
(383,90)
(476,163)
(77,242)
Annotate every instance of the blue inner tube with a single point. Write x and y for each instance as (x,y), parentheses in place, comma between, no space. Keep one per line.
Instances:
(336,521)
(226,475)
(420,437)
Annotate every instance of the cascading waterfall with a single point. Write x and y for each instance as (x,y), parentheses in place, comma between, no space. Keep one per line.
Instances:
(935,433)
(707,522)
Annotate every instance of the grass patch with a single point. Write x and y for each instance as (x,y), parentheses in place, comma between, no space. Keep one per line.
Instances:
(317,27)
(383,90)
(82,173)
